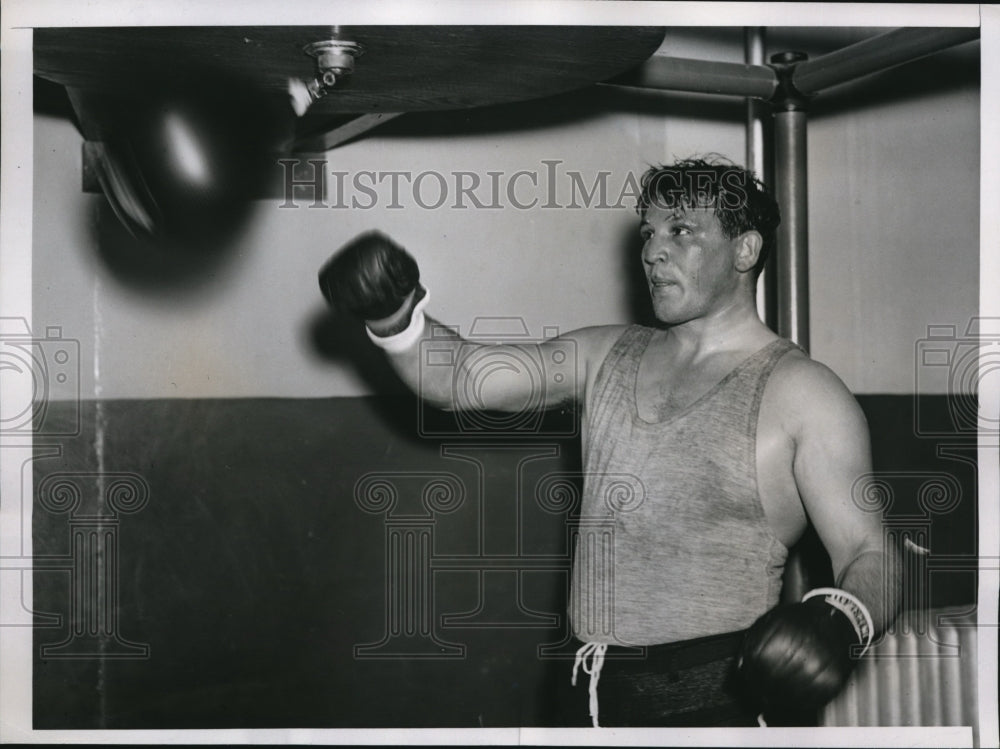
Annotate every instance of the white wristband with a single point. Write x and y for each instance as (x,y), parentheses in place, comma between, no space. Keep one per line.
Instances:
(401,341)
(843,601)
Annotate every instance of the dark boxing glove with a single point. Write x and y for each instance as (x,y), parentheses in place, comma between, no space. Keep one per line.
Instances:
(370,277)
(798,657)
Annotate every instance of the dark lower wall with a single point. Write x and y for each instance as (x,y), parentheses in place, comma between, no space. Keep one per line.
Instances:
(344,562)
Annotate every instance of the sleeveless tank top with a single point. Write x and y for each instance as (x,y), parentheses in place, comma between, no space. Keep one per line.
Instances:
(673,543)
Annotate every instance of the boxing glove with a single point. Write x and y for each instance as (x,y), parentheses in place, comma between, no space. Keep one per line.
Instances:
(371,277)
(797,657)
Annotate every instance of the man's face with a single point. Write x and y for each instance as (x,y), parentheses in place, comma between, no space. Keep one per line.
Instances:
(689,263)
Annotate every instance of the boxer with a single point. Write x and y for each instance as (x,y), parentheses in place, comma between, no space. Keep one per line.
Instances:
(737,438)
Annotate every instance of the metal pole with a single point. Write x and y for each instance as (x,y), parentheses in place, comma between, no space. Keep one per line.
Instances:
(876,54)
(701,76)
(790,181)
(792,273)
(753,40)
(793,233)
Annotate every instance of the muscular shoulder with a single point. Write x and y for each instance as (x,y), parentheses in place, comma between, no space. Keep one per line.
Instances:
(810,398)
(594,343)
(590,347)
(596,340)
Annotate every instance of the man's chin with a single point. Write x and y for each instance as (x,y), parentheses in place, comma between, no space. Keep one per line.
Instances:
(669,316)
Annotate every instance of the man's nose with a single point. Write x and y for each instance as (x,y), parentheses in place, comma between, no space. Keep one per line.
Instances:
(654,252)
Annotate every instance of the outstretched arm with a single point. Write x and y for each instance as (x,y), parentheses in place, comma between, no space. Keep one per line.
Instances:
(455,374)
(374,279)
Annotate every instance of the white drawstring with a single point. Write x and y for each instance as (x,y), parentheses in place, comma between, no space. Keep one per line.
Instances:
(596,651)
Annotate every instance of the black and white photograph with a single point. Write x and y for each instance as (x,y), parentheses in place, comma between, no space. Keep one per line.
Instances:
(548,373)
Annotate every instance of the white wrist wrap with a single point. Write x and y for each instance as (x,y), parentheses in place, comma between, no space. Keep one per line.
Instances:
(852,607)
(403,340)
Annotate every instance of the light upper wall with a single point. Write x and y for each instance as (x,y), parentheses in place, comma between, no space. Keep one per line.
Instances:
(893,232)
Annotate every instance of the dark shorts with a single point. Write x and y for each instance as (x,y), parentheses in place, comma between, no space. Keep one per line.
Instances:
(690,683)
(685,684)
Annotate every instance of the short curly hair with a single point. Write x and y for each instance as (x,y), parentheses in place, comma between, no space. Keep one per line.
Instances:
(741,201)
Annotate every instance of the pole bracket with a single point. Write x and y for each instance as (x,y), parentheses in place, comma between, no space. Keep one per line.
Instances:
(786,97)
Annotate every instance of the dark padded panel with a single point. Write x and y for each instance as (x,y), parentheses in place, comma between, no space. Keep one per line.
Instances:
(251,573)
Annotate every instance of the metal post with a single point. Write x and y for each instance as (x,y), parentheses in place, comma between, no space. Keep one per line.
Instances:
(756,161)
(790,182)
(793,233)
(792,272)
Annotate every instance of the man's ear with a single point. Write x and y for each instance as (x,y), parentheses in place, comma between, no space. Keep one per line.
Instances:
(748,246)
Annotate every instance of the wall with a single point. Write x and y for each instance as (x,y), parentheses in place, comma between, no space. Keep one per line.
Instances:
(894,218)
(884,266)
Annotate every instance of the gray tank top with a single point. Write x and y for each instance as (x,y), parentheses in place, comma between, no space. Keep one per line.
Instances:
(673,543)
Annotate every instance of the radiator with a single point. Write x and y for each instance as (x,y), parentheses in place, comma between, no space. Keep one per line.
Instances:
(922,673)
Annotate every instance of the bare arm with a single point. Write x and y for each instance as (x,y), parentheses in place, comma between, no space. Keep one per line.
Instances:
(454,373)
(800,656)
(832,451)
(376,280)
